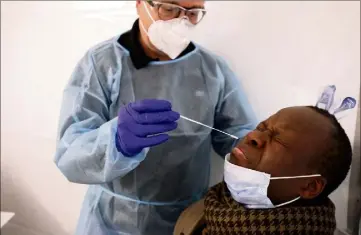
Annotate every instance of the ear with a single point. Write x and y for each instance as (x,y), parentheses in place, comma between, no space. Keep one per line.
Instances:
(313,188)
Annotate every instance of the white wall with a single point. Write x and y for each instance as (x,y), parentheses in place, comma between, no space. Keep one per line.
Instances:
(284,52)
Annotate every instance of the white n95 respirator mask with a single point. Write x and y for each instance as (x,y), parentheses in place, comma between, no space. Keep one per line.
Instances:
(171,36)
(249,187)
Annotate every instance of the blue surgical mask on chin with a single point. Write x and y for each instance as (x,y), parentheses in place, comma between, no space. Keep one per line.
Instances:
(249,187)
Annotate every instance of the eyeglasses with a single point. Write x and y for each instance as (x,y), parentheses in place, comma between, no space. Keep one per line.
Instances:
(168,11)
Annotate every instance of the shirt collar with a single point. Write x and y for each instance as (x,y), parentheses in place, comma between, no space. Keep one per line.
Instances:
(131,41)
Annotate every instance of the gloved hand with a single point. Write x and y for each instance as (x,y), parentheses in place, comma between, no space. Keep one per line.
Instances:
(138,120)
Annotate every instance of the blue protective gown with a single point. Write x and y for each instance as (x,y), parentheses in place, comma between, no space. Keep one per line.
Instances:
(145,194)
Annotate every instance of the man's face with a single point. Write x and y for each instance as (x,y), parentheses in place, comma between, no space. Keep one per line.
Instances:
(142,7)
(287,144)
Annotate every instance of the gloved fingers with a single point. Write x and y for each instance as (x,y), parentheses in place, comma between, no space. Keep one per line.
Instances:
(151,105)
(126,143)
(145,130)
(130,145)
(153,118)
(158,118)
(154,140)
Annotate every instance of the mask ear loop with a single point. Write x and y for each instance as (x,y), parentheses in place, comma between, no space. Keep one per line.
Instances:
(295,177)
(150,16)
(292,177)
(147,10)
(289,202)
(142,26)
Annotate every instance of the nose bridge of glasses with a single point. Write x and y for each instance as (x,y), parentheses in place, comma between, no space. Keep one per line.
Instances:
(183,13)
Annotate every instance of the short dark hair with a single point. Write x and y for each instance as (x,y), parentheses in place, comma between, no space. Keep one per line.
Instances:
(336,159)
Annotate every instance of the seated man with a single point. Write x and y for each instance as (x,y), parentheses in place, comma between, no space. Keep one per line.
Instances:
(277,179)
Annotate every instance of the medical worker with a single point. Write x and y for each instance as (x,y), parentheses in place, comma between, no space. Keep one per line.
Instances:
(120,130)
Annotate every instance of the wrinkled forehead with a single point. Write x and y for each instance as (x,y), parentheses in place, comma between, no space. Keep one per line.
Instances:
(186,3)
(301,119)
(307,131)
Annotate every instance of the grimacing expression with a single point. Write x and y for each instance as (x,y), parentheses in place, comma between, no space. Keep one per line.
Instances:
(289,143)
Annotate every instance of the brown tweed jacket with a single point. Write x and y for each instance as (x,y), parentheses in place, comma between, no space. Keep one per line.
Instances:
(219,214)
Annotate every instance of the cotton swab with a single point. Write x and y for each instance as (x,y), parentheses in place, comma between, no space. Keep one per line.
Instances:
(199,123)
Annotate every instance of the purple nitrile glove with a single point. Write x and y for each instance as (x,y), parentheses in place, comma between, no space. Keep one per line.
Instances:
(141,124)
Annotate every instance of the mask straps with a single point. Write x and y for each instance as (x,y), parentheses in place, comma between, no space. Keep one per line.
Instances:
(292,177)
(150,16)
(289,202)
(142,25)
(147,10)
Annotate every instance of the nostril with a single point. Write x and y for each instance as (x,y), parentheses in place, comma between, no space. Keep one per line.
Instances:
(254,143)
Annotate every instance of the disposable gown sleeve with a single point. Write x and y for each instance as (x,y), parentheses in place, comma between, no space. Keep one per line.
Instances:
(234,114)
(86,151)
